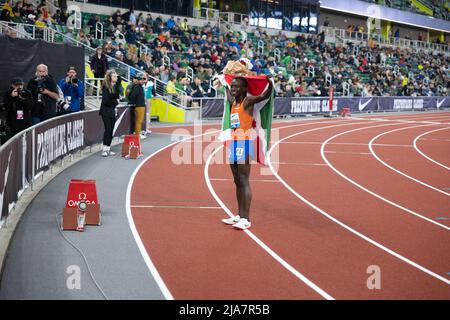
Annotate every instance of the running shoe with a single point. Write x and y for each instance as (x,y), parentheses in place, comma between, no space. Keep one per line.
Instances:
(242,224)
(232,220)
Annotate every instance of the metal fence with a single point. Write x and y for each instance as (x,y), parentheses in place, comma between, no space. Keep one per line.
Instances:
(391,41)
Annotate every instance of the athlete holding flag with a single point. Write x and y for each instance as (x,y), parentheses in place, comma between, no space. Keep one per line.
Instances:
(242,130)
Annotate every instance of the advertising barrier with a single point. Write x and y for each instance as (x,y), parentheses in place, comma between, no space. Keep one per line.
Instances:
(213,108)
(32,151)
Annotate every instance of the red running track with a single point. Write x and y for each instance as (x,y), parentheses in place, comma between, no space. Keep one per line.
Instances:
(178,219)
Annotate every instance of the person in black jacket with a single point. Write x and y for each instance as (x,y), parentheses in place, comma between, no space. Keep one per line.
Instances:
(18,103)
(136,98)
(110,99)
(45,94)
(99,63)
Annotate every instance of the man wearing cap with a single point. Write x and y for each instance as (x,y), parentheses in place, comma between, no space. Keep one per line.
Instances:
(18,104)
(73,90)
(136,98)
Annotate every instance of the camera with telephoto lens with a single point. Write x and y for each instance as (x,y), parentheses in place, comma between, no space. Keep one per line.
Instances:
(62,104)
(74,80)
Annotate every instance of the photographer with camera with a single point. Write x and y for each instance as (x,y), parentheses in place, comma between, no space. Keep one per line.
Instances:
(73,90)
(45,94)
(18,103)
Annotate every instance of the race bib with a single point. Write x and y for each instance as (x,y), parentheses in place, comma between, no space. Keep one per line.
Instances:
(234,120)
(239,152)
(19,114)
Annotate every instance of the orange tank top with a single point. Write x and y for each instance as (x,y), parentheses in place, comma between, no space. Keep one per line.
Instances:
(241,122)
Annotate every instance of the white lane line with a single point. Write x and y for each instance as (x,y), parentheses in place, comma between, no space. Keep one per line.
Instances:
(349,144)
(426,139)
(134,231)
(348,152)
(324,213)
(396,170)
(322,149)
(300,163)
(148,261)
(274,255)
(422,153)
(251,180)
(175,207)
(403,121)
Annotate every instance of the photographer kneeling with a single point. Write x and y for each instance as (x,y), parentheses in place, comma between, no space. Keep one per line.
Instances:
(73,90)
(45,94)
(18,103)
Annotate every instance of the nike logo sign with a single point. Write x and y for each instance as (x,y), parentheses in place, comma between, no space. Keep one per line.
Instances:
(363,105)
(439,104)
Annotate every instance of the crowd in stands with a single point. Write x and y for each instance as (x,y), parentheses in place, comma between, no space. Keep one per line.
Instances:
(32,12)
(306,66)
(370,69)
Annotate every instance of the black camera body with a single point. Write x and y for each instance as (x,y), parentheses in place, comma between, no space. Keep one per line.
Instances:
(74,80)
(40,83)
(23,94)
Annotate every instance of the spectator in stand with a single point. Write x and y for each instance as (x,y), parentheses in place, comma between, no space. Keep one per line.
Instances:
(171,22)
(82,38)
(171,86)
(184,25)
(163,74)
(99,63)
(7,11)
(131,38)
(198,91)
(40,21)
(132,18)
(17,16)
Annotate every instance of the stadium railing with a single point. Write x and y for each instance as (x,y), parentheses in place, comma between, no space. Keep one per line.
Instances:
(345,35)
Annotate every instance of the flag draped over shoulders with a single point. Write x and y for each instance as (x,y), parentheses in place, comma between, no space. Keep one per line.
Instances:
(262,115)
